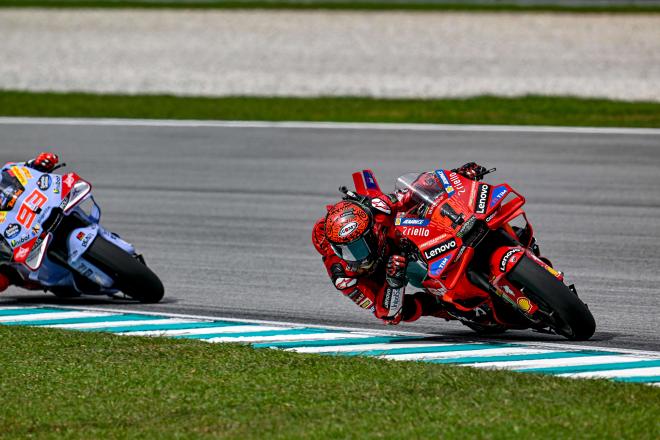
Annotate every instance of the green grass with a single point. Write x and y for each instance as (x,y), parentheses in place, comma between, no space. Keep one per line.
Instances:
(529,110)
(421,5)
(59,384)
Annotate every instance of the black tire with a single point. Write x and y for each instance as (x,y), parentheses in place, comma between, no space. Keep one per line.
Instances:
(560,308)
(131,276)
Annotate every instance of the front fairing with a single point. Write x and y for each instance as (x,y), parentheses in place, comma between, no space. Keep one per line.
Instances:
(435,221)
(29,199)
(29,196)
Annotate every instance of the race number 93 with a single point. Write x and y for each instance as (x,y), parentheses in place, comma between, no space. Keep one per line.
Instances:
(31,204)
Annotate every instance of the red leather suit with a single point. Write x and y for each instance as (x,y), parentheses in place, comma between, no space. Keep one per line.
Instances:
(367,287)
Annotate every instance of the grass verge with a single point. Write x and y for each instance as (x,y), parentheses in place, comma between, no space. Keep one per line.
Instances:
(59,384)
(410,5)
(529,110)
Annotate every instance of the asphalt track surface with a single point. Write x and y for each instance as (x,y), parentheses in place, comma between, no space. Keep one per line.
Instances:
(224,214)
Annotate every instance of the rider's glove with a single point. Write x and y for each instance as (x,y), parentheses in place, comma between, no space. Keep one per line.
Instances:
(44,162)
(395,273)
(471,170)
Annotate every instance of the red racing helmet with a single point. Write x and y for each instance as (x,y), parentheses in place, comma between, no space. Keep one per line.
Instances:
(350,230)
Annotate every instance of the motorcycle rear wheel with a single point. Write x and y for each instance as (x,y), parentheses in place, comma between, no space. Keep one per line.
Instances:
(558,306)
(131,276)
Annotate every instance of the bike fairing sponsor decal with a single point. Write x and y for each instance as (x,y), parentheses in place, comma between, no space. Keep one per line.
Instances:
(57,185)
(44,182)
(19,241)
(69,179)
(460,252)
(482,199)
(21,173)
(403,221)
(490,217)
(457,184)
(12,230)
(467,226)
(83,238)
(439,249)
(381,206)
(449,189)
(524,304)
(509,255)
(434,240)
(411,231)
(439,265)
(497,195)
(347,229)
(517,299)
(22,253)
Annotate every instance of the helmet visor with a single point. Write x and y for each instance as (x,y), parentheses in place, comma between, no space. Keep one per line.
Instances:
(357,251)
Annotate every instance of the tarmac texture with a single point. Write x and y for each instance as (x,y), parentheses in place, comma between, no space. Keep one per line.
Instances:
(224,214)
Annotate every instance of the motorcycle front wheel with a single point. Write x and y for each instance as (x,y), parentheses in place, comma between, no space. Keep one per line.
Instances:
(131,276)
(559,307)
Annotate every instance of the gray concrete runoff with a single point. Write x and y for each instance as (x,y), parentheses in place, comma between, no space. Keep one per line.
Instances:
(224,214)
(310,53)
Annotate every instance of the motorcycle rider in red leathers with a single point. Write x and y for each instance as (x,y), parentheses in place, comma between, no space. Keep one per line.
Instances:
(45,163)
(360,251)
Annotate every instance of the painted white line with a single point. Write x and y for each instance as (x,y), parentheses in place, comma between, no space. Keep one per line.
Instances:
(562,362)
(53,315)
(325,125)
(372,332)
(16,307)
(633,372)
(206,330)
(287,338)
(134,323)
(365,347)
(463,353)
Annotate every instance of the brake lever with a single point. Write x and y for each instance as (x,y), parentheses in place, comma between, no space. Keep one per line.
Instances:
(350,195)
(57,167)
(482,174)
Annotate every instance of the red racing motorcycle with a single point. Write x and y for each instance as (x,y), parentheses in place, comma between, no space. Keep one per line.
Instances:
(469,243)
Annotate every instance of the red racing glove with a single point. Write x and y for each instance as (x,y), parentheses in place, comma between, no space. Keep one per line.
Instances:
(471,170)
(395,277)
(395,274)
(44,162)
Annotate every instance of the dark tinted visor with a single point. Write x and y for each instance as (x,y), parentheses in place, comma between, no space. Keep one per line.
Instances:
(358,250)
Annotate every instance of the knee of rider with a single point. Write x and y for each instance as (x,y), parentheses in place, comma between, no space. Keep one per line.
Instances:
(4,283)
(412,309)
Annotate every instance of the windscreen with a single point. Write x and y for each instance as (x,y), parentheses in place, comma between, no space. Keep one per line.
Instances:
(425,187)
(10,191)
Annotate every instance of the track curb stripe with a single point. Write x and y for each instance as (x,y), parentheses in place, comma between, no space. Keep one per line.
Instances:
(555,359)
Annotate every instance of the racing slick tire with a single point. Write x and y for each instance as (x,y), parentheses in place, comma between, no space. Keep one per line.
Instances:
(131,276)
(559,307)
